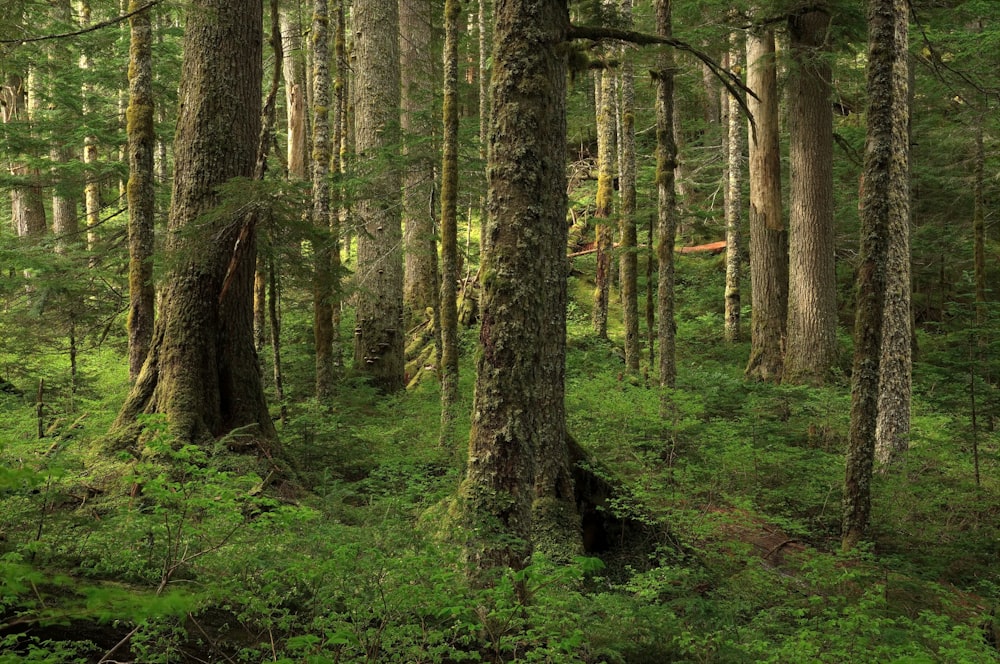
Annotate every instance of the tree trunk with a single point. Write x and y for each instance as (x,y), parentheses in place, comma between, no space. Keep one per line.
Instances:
(202,370)
(294,72)
(734,201)
(812,296)
(768,237)
(92,187)
(517,446)
(449,228)
(26,203)
(885,206)
(604,199)
(323,277)
(141,133)
(666,226)
(379,334)
(629,254)
(420,285)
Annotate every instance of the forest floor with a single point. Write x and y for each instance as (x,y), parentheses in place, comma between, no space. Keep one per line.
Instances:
(719,542)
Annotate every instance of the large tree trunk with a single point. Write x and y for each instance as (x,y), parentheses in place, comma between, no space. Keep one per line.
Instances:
(417,121)
(517,447)
(812,296)
(202,371)
(26,203)
(140,190)
(666,226)
(379,335)
(627,230)
(768,237)
(885,206)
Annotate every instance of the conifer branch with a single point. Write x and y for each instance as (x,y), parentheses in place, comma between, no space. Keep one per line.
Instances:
(91,28)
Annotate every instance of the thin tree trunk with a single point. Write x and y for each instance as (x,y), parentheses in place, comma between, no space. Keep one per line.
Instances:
(449,228)
(141,188)
(92,187)
(734,201)
(768,237)
(274,317)
(604,199)
(322,272)
(666,227)
(627,230)
(885,207)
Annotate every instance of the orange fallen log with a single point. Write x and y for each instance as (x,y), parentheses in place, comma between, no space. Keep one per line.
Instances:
(711,247)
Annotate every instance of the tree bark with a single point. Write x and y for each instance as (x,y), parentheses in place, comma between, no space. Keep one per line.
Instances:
(666,226)
(812,297)
(379,334)
(734,201)
(885,206)
(449,228)
(420,285)
(202,371)
(323,277)
(604,199)
(141,196)
(627,230)
(517,447)
(768,237)
(26,202)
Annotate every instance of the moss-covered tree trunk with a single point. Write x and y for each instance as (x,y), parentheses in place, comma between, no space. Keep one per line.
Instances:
(417,74)
(768,237)
(666,224)
(629,260)
(449,228)
(379,333)
(885,204)
(518,432)
(605,197)
(812,296)
(202,371)
(141,193)
(323,277)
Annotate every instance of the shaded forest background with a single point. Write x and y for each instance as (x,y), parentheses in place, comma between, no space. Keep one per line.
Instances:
(709,512)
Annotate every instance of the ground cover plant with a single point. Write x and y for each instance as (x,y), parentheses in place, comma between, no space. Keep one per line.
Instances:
(720,541)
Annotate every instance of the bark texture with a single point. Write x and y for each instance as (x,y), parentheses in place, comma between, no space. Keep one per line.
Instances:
(626,228)
(323,276)
(202,370)
(604,199)
(666,225)
(812,298)
(885,205)
(449,228)
(379,334)
(768,237)
(734,201)
(140,189)
(517,449)
(26,202)
(417,117)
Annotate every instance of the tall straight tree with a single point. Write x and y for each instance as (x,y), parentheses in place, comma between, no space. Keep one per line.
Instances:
(768,237)
(379,333)
(885,210)
(323,276)
(812,296)
(140,190)
(603,204)
(416,57)
(26,203)
(734,196)
(627,228)
(202,370)
(518,410)
(666,225)
(449,227)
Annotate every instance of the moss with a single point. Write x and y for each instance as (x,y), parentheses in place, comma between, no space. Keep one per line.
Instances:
(555,529)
